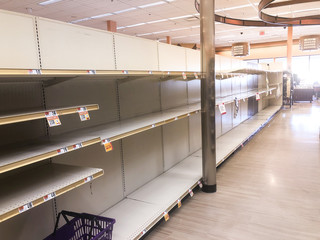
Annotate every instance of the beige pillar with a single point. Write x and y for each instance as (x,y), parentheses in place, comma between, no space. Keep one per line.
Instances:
(289,47)
(168,39)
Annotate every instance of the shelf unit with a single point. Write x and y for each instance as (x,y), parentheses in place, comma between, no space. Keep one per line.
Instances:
(34,187)
(142,209)
(28,116)
(148,95)
(44,148)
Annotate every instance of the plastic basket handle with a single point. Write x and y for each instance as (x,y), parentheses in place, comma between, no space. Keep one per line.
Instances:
(82,216)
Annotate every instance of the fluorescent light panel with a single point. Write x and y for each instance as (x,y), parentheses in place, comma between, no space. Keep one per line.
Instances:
(152,4)
(49,2)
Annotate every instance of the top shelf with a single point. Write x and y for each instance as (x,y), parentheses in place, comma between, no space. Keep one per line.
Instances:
(28,116)
(186,75)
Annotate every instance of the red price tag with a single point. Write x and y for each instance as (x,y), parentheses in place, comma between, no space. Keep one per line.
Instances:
(258,96)
(222,109)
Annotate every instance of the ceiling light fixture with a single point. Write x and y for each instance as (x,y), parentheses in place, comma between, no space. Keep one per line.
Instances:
(49,2)
(135,25)
(152,4)
(125,10)
(102,15)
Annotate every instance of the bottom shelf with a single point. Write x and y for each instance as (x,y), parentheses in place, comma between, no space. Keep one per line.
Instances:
(23,191)
(142,209)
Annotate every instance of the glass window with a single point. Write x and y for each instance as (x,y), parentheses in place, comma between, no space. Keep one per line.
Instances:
(266,60)
(315,68)
(283,61)
(300,66)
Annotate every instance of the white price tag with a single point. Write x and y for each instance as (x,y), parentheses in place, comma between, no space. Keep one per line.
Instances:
(184,75)
(168,73)
(49,196)
(35,72)
(257,96)
(88,179)
(83,114)
(125,72)
(62,150)
(77,146)
(153,126)
(191,192)
(222,109)
(25,207)
(150,72)
(91,71)
(200,184)
(53,118)
(196,75)
(176,118)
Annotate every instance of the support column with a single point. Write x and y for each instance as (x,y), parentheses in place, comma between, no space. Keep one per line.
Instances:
(168,40)
(111,26)
(207,35)
(289,48)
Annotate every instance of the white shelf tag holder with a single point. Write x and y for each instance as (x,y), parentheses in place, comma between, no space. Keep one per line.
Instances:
(35,72)
(91,71)
(222,109)
(88,179)
(25,207)
(143,232)
(62,150)
(53,119)
(83,113)
(258,96)
(191,192)
(107,145)
(77,146)
(49,196)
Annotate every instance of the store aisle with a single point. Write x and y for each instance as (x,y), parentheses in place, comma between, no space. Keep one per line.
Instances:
(268,190)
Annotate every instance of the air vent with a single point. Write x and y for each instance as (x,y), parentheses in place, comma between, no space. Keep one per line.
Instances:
(309,43)
(240,49)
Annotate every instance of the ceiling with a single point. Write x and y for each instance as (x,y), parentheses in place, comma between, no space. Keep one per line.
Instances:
(156,19)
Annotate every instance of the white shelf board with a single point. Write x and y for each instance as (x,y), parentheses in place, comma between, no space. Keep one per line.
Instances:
(27,153)
(142,208)
(171,185)
(32,115)
(240,96)
(227,143)
(32,185)
(131,216)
